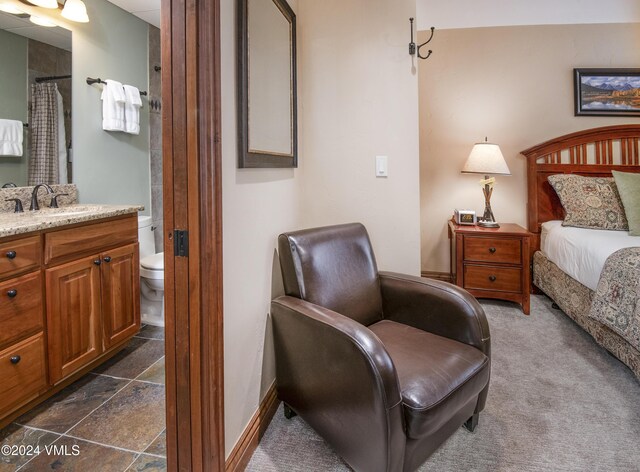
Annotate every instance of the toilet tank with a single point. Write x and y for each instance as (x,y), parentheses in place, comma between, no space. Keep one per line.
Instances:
(145,237)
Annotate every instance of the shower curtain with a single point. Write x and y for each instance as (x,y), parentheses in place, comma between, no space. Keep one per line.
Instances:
(44,128)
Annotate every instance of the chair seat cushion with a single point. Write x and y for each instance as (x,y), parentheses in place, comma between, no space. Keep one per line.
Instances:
(438,376)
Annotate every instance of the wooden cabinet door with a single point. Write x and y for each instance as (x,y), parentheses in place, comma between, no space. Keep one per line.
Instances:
(74,328)
(120,294)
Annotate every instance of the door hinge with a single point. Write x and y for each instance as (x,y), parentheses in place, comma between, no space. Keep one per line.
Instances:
(180,243)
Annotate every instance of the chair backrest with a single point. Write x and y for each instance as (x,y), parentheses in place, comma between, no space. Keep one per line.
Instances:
(333,267)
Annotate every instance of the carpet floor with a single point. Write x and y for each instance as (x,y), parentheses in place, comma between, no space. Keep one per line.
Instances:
(557,402)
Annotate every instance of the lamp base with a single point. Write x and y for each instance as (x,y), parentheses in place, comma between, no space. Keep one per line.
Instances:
(488,224)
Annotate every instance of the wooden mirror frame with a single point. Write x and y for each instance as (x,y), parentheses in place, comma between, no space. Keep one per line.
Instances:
(247,158)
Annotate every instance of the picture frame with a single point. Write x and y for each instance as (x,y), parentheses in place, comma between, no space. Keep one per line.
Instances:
(607,92)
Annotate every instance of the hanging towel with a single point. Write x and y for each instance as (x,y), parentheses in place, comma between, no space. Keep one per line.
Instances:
(113,106)
(132,106)
(62,143)
(11,132)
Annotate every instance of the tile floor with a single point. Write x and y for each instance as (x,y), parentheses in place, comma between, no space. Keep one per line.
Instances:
(110,420)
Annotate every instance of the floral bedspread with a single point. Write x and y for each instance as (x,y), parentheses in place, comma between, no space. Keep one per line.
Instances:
(616,302)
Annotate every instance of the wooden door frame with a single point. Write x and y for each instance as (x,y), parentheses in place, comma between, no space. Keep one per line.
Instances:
(192,192)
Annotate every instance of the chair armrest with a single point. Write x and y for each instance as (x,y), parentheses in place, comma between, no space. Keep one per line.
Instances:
(337,375)
(437,307)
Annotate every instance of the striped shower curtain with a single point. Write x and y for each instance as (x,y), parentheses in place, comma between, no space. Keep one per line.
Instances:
(43,158)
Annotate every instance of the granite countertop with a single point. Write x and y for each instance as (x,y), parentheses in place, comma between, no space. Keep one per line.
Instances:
(19,223)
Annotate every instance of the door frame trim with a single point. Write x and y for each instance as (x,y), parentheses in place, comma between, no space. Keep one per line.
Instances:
(192,191)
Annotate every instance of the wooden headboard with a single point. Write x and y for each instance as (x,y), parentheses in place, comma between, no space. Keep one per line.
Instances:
(593,152)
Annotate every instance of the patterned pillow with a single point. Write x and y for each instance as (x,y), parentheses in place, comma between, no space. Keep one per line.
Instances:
(590,202)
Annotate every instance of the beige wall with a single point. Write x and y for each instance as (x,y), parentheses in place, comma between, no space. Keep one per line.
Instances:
(358,97)
(258,204)
(514,85)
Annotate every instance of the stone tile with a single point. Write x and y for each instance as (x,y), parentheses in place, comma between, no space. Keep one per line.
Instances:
(14,435)
(148,464)
(159,446)
(73,455)
(134,359)
(130,420)
(159,237)
(42,57)
(70,405)
(155,131)
(152,332)
(156,167)
(154,374)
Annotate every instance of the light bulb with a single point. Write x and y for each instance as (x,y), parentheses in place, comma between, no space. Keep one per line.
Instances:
(75,10)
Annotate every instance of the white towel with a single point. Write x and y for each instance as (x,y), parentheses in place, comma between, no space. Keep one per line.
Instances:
(62,143)
(132,109)
(113,106)
(11,133)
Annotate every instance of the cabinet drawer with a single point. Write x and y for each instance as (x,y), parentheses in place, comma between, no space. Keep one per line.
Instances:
(499,279)
(20,255)
(500,250)
(91,238)
(23,374)
(20,307)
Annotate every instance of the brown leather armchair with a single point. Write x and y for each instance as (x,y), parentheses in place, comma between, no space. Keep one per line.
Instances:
(384,366)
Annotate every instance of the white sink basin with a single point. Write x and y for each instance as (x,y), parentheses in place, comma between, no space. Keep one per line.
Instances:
(63,212)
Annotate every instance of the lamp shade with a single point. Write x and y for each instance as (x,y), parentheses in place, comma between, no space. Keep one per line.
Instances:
(45,3)
(75,10)
(486,158)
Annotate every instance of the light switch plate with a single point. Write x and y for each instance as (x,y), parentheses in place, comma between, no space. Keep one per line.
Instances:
(382,166)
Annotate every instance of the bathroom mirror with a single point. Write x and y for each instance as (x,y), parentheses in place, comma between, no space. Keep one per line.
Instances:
(34,55)
(267,95)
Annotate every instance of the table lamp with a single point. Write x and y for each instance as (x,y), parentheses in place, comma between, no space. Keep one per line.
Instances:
(486,158)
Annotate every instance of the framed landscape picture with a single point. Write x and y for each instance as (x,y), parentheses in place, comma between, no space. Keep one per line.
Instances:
(607,92)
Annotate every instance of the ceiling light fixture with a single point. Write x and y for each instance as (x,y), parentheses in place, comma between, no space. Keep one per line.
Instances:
(75,10)
(10,8)
(41,21)
(45,3)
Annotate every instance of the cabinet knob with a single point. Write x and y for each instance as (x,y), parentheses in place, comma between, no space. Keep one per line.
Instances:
(492,250)
(15,359)
(492,278)
(107,259)
(11,254)
(97,262)
(12,293)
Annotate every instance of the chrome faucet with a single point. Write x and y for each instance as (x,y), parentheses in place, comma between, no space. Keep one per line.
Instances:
(34,196)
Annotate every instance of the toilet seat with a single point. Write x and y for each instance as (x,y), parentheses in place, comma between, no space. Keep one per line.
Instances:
(152,267)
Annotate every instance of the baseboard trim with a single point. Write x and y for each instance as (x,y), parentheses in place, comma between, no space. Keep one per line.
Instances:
(248,442)
(444,276)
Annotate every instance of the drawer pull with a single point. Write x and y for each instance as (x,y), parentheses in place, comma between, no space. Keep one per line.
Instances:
(12,293)
(11,254)
(107,259)
(15,359)
(492,278)
(492,250)
(97,262)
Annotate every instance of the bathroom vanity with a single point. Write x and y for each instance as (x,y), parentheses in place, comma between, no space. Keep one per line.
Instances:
(69,297)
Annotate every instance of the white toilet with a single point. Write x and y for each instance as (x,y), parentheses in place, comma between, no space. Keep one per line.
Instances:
(151,275)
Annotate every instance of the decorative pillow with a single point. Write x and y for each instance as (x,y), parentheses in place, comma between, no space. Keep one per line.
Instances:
(629,187)
(590,202)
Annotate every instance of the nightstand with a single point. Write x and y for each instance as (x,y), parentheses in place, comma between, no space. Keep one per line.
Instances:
(491,262)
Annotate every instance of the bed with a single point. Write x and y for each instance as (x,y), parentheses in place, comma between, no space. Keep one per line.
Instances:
(570,278)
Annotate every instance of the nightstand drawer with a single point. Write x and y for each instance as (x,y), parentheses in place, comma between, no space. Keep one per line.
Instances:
(498,279)
(500,250)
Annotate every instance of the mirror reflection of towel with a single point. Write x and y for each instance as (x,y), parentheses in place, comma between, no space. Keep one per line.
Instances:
(11,133)
(132,106)
(113,106)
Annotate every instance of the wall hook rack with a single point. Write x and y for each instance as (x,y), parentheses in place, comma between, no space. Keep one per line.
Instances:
(413,48)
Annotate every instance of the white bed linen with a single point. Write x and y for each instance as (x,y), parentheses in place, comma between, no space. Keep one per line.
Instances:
(581,253)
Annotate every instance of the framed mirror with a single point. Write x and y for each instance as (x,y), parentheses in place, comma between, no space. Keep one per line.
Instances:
(267,92)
